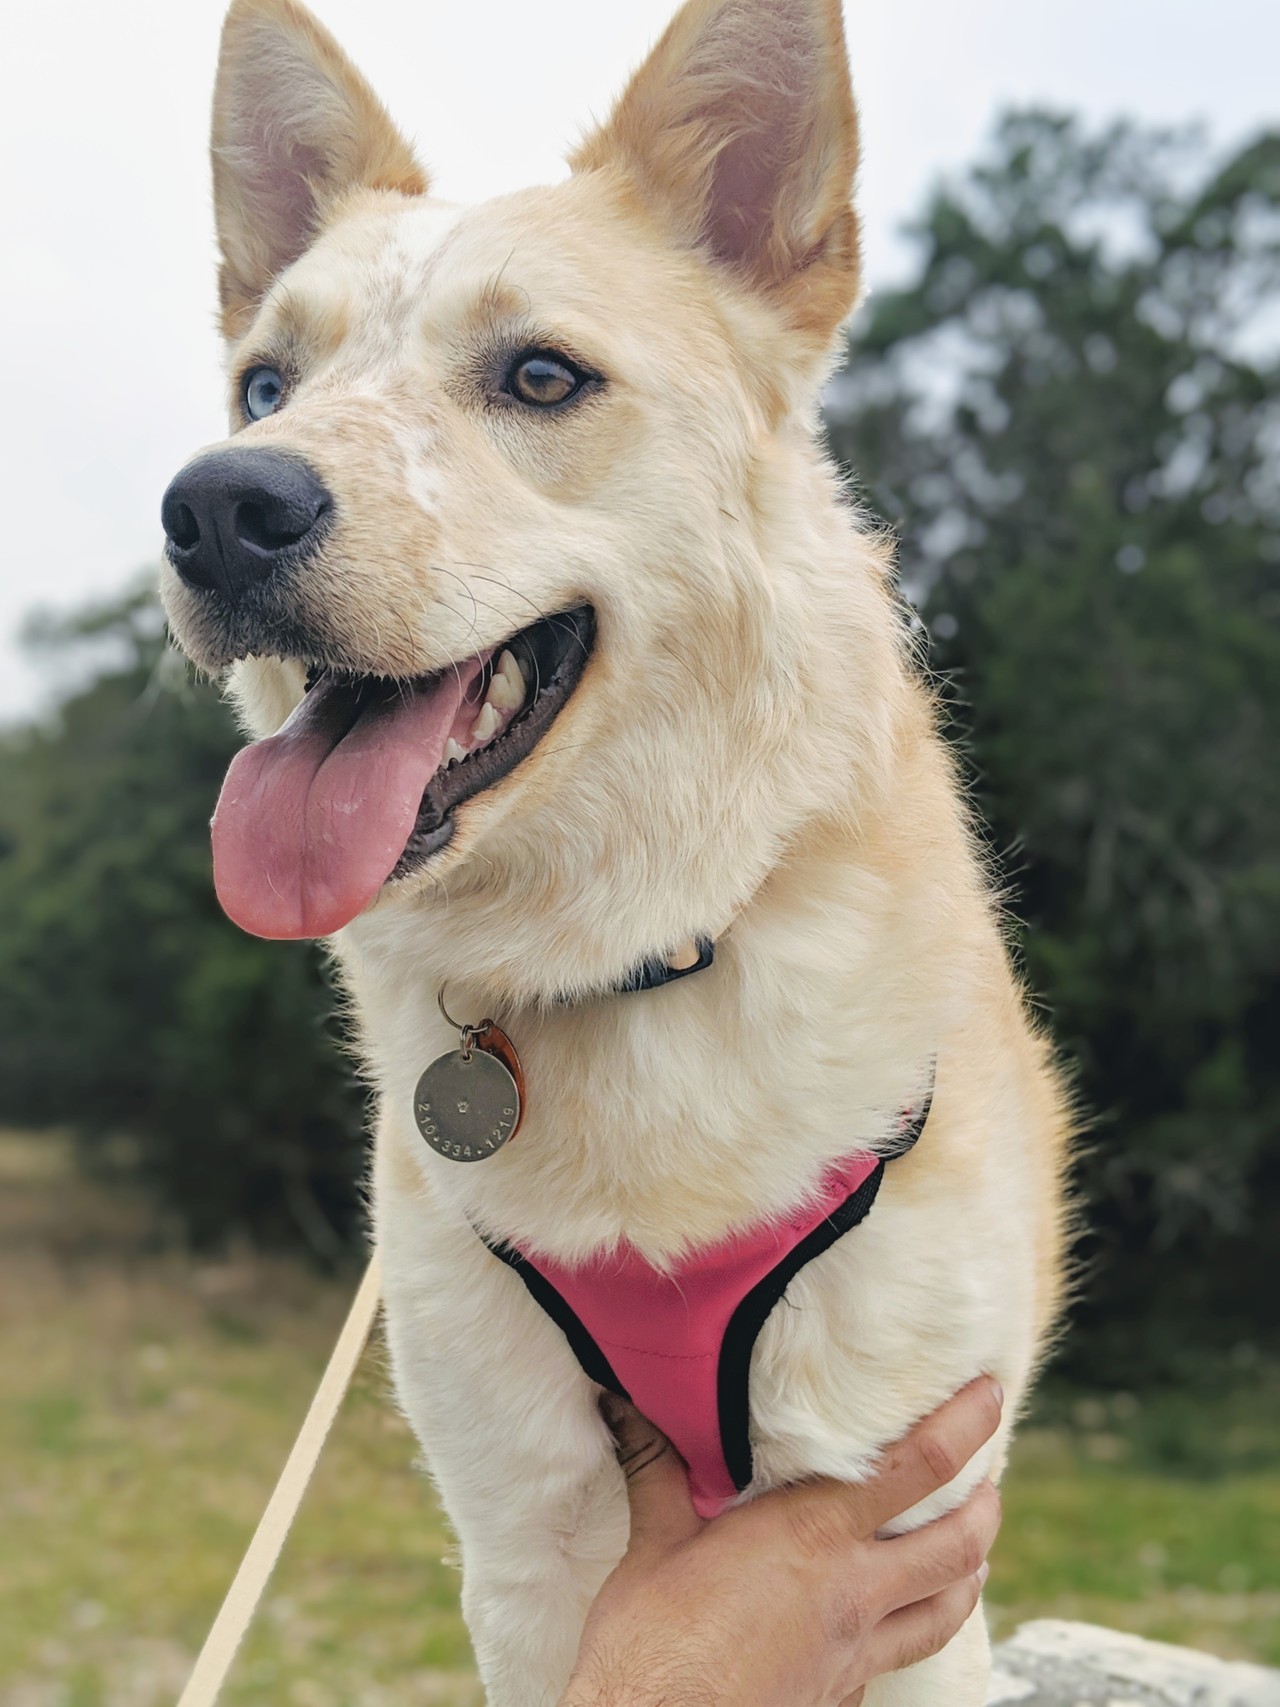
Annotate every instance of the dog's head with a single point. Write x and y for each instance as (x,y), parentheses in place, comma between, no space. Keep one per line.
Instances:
(521,548)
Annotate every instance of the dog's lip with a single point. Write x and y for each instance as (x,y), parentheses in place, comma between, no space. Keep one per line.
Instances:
(553,653)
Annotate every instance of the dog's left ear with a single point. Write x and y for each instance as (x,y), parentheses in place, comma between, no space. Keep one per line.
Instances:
(740,131)
(295,127)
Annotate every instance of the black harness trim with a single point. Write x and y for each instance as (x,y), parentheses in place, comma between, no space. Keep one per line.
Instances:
(733,1372)
(595,1365)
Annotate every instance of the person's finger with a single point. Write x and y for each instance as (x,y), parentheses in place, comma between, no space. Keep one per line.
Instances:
(926,1560)
(931,1455)
(662,1514)
(913,1633)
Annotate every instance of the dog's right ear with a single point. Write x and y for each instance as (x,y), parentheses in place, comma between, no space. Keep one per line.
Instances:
(295,126)
(740,131)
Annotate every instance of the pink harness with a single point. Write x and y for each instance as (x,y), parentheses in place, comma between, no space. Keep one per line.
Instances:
(678,1343)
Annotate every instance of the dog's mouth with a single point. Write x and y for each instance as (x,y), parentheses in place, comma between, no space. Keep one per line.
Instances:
(361,784)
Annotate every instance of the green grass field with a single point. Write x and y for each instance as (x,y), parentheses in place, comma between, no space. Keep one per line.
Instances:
(149,1400)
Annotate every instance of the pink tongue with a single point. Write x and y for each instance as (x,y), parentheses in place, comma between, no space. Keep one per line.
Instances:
(311,823)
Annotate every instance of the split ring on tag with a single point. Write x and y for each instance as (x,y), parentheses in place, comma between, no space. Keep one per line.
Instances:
(469,1103)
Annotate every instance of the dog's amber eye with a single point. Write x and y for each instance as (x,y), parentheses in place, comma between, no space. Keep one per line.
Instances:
(543,380)
(263,391)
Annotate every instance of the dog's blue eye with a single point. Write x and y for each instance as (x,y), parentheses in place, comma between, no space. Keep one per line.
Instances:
(263,389)
(543,380)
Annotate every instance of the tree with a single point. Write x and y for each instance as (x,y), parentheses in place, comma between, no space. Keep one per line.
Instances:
(130,1009)
(1072,418)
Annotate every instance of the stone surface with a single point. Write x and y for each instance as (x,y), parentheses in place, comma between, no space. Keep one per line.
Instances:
(1054,1664)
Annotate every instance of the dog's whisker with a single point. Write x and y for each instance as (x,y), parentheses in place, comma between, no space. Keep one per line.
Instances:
(558,625)
(469,591)
(473,633)
(496,578)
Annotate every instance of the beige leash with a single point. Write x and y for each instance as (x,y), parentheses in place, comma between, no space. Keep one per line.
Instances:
(251,1579)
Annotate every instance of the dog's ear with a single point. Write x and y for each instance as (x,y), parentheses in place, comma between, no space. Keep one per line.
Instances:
(295,126)
(740,128)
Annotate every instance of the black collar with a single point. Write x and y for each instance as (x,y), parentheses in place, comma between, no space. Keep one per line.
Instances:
(653,974)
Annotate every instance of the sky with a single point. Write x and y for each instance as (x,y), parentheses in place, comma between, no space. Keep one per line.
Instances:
(111,367)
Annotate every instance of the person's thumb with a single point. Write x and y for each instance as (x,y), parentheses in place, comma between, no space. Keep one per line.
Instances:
(662,1514)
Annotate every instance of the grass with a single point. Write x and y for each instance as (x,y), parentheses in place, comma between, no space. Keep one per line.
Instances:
(149,1401)
(1155,1515)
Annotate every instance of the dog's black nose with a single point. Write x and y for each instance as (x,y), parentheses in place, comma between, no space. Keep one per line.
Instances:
(234,517)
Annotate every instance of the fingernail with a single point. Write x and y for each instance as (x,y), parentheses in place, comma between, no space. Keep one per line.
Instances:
(984,1571)
(998,1390)
(612,1412)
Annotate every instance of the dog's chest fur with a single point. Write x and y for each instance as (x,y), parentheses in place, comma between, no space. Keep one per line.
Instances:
(674,1116)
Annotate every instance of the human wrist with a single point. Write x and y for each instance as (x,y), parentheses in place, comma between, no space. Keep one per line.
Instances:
(596,1691)
(637,1685)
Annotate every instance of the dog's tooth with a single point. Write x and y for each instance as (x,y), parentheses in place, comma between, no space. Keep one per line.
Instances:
(453,752)
(509,666)
(506,694)
(486,724)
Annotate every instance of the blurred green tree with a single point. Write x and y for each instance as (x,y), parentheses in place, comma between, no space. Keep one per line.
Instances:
(1071,416)
(131,1010)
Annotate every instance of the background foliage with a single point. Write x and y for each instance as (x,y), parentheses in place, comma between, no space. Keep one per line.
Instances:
(1070,415)
(178,1049)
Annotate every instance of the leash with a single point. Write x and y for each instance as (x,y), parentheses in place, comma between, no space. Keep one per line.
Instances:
(250,1581)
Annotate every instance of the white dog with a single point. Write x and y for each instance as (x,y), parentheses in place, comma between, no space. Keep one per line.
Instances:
(582,691)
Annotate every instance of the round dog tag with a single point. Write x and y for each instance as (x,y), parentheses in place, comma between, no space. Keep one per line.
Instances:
(467,1104)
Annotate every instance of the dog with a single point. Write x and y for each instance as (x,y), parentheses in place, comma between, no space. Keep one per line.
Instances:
(586,720)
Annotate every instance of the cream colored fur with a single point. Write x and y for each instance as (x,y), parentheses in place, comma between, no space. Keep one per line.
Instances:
(750,754)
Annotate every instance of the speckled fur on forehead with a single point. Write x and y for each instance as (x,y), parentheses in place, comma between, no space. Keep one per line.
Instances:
(571,261)
(360,284)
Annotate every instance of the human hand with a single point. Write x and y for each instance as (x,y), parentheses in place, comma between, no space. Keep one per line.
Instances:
(793,1600)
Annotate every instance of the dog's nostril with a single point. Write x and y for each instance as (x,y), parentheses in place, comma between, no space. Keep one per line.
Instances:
(265,526)
(182,527)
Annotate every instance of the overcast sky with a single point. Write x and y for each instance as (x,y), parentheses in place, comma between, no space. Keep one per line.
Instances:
(111,373)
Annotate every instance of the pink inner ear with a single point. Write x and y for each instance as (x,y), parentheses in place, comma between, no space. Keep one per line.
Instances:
(280,189)
(294,127)
(768,113)
(744,206)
